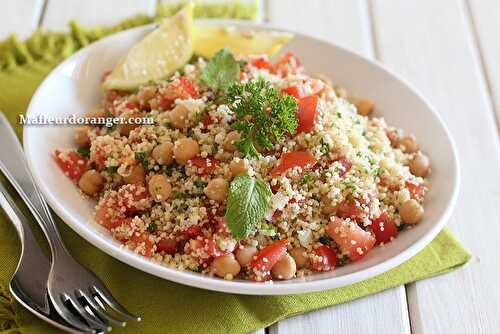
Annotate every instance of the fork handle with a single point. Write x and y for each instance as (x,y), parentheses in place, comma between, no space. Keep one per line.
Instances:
(14,166)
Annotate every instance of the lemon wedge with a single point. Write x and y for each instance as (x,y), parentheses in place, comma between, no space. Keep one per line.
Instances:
(208,39)
(158,55)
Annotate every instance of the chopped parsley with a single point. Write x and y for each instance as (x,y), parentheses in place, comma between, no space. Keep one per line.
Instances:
(111,169)
(142,158)
(307,178)
(152,228)
(263,115)
(325,240)
(83,151)
(325,148)
(199,183)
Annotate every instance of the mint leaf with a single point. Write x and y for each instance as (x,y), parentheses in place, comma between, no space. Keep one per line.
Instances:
(246,204)
(221,71)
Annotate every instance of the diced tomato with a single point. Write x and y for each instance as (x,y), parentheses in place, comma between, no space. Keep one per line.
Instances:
(304,160)
(142,239)
(292,91)
(242,75)
(346,166)
(391,187)
(110,100)
(206,166)
(132,105)
(328,259)
(350,209)
(306,113)
(416,190)
(221,225)
(188,88)
(384,228)
(267,257)
(213,249)
(287,64)
(260,63)
(167,245)
(207,120)
(350,238)
(192,231)
(109,217)
(72,164)
(133,197)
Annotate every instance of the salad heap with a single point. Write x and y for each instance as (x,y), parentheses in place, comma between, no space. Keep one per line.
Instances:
(252,169)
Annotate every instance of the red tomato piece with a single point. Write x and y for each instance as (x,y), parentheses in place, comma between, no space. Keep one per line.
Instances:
(304,160)
(384,229)
(328,259)
(72,164)
(133,197)
(167,245)
(207,120)
(416,190)
(346,165)
(188,88)
(260,63)
(287,64)
(206,166)
(192,231)
(350,238)
(142,239)
(350,209)
(292,91)
(267,257)
(306,113)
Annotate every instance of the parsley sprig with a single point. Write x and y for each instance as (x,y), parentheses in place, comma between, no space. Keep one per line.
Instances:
(263,115)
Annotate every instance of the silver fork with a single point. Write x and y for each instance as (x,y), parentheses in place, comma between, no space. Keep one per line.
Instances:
(76,293)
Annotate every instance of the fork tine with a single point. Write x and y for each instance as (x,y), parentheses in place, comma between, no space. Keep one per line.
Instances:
(71,318)
(89,317)
(106,297)
(99,310)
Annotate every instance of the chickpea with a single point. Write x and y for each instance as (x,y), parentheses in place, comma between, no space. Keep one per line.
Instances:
(409,144)
(285,268)
(185,149)
(179,117)
(159,187)
(231,138)
(298,255)
(245,255)
(225,266)
(137,175)
(91,182)
(82,137)
(420,165)
(216,189)
(411,212)
(163,153)
(238,167)
(365,107)
(327,206)
(125,128)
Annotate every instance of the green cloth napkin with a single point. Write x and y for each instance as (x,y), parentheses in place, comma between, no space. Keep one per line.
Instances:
(167,307)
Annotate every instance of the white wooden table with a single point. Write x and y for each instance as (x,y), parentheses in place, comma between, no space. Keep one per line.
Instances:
(450,50)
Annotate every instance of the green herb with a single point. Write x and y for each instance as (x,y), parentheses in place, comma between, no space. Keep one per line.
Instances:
(199,183)
(247,203)
(110,129)
(198,269)
(83,151)
(167,125)
(175,195)
(142,158)
(112,169)
(339,115)
(221,71)
(268,230)
(181,72)
(182,207)
(242,63)
(152,228)
(325,148)
(263,115)
(401,227)
(325,240)
(342,261)
(307,178)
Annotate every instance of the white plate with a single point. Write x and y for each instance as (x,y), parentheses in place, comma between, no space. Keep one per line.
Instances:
(74,88)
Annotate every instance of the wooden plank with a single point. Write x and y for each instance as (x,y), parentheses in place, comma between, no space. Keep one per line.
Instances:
(431,44)
(21,17)
(345,23)
(484,18)
(93,12)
